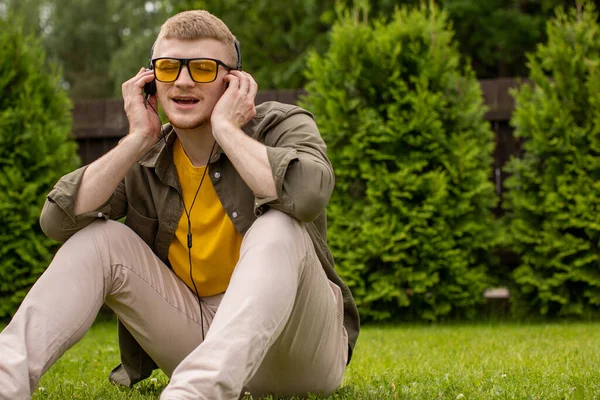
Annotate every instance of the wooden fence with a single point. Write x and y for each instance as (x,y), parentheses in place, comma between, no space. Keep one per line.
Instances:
(99,124)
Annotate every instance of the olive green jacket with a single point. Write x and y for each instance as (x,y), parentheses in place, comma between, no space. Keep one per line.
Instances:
(150,198)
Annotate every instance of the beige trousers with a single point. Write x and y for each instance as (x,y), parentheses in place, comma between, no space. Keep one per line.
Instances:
(276,330)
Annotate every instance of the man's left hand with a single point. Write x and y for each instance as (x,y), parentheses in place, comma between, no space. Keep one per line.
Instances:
(236,105)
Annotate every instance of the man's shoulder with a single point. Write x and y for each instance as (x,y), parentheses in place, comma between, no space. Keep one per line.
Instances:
(277,109)
(272,113)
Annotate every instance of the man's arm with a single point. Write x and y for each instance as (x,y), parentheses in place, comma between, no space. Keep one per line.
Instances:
(103,175)
(304,177)
(78,197)
(249,157)
(291,172)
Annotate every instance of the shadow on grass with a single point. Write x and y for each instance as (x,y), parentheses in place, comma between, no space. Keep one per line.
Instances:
(153,387)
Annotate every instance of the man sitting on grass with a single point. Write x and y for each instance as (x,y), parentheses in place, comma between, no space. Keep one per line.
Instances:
(221,275)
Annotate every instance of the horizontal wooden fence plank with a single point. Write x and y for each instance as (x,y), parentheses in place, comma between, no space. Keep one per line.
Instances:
(99,124)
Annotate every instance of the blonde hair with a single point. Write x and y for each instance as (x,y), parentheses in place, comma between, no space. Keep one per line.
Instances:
(198,24)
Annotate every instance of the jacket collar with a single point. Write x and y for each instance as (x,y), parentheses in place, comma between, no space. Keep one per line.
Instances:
(157,153)
(160,157)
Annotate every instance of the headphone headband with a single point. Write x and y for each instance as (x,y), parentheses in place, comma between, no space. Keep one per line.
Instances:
(239,55)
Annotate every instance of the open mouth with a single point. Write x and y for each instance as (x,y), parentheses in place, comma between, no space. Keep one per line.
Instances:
(185,100)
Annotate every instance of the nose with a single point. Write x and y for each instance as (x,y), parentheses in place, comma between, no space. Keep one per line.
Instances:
(185,78)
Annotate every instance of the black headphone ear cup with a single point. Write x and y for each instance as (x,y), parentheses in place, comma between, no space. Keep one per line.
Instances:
(150,88)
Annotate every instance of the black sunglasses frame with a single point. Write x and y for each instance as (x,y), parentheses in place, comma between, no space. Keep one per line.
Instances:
(186,62)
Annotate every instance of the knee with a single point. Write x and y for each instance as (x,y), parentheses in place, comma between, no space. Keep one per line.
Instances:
(103,234)
(107,246)
(92,249)
(111,230)
(276,217)
(275,231)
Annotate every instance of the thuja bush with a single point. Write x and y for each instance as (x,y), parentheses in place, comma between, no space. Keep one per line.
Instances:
(411,224)
(553,201)
(35,151)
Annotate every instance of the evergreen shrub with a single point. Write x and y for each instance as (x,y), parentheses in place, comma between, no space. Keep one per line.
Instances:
(35,151)
(411,224)
(553,203)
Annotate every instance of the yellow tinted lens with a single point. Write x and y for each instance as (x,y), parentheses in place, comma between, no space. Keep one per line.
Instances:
(166,70)
(203,70)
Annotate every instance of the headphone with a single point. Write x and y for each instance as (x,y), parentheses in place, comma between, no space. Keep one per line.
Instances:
(150,88)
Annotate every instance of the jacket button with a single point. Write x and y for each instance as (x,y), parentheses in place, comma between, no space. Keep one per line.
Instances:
(234,214)
(217,175)
(100,215)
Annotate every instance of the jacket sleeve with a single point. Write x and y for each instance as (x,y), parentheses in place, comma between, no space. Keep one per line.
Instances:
(58,220)
(303,174)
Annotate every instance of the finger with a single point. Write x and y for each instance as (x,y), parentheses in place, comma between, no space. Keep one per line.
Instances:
(253,86)
(141,73)
(143,79)
(244,83)
(132,79)
(153,101)
(242,77)
(137,78)
(232,80)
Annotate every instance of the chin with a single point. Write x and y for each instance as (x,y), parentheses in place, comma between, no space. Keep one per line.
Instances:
(187,122)
(189,125)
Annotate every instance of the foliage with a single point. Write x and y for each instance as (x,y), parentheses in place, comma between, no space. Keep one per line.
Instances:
(493,34)
(108,43)
(35,123)
(497,34)
(410,220)
(554,198)
(98,45)
(274,36)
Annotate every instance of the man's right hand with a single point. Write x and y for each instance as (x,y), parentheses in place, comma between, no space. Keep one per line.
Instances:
(144,122)
(102,177)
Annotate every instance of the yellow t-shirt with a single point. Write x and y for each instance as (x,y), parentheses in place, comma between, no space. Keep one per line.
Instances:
(215,242)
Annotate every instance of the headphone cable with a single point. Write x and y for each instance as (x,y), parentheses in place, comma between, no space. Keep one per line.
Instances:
(188,215)
(189,236)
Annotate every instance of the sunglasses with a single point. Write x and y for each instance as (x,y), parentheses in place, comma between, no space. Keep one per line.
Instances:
(202,70)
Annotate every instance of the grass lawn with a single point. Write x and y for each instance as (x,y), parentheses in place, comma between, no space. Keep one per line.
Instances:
(496,361)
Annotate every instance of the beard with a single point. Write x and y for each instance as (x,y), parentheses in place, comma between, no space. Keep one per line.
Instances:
(187,121)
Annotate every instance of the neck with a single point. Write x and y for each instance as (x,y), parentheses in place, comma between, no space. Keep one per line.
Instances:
(197,144)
